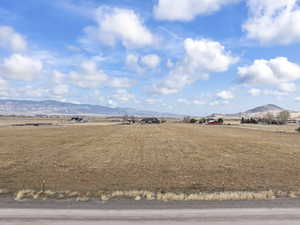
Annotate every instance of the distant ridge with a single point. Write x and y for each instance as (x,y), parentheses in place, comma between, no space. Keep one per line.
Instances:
(51,107)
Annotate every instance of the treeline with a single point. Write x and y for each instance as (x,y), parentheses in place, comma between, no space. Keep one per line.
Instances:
(269,118)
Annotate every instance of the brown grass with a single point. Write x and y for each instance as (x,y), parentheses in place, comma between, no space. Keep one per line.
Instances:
(168,158)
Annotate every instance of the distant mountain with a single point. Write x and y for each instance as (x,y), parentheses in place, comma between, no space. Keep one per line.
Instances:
(50,107)
(256,112)
(265,109)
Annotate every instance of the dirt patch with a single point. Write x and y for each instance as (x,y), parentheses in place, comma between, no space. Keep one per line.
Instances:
(179,158)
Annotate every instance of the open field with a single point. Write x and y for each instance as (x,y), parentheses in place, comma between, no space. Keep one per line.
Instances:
(168,157)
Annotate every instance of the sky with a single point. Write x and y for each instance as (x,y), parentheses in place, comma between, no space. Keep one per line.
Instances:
(191,57)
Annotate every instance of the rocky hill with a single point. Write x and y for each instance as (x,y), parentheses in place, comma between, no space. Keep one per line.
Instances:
(265,109)
(259,111)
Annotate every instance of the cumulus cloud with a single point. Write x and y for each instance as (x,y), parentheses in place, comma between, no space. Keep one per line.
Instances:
(120,82)
(151,61)
(201,58)
(61,90)
(123,95)
(187,10)
(20,67)
(12,40)
(89,76)
(140,64)
(151,100)
(191,101)
(3,88)
(119,25)
(219,102)
(225,95)
(270,92)
(278,71)
(254,92)
(132,62)
(273,21)
(58,77)
(287,87)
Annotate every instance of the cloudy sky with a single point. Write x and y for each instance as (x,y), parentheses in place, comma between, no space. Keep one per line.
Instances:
(182,56)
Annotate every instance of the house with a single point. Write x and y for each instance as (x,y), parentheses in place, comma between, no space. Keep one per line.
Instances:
(215,122)
(77,119)
(150,120)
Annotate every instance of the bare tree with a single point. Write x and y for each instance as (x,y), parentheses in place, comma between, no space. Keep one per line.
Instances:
(269,117)
(284,116)
(125,118)
(186,119)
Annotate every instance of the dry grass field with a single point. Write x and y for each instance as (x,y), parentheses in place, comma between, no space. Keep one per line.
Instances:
(181,158)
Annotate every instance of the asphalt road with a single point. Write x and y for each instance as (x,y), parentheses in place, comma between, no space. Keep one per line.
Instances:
(278,212)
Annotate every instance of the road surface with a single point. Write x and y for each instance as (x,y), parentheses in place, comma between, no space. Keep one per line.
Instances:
(279,212)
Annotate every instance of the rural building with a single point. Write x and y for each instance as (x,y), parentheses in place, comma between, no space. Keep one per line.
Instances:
(77,119)
(150,120)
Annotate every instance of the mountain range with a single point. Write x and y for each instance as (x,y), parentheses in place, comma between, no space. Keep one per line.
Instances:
(50,107)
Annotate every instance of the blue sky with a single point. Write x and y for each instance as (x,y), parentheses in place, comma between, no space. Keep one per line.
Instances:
(191,57)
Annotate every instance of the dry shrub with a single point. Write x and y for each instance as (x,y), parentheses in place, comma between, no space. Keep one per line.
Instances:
(294,194)
(24,194)
(4,192)
(82,199)
(223,196)
(168,196)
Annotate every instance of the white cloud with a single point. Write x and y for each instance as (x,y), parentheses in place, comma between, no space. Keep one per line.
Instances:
(254,92)
(30,91)
(120,82)
(19,67)
(201,58)
(273,21)
(183,101)
(151,61)
(88,76)
(297,99)
(132,61)
(219,102)
(3,88)
(170,63)
(225,95)
(58,77)
(119,25)
(61,90)
(187,10)
(278,71)
(191,101)
(151,100)
(276,93)
(12,40)
(287,87)
(140,64)
(123,95)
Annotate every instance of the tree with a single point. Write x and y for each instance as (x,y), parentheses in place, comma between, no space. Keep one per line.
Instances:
(220,121)
(125,118)
(284,116)
(193,121)
(269,117)
(187,119)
